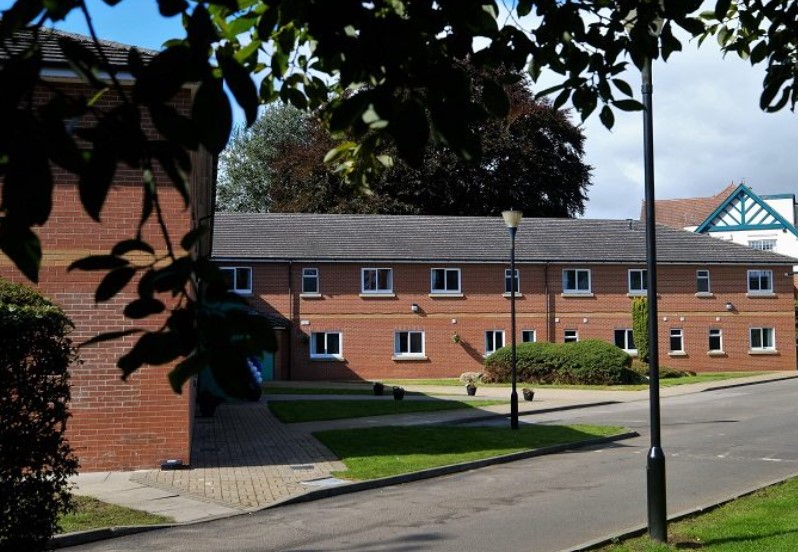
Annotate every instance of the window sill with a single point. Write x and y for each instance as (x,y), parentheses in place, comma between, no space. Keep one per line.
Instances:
(310,295)
(717,353)
(445,295)
(705,295)
(637,294)
(335,358)
(631,352)
(763,295)
(242,292)
(405,358)
(378,295)
(677,354)
(508,294)
(762,352)
(575,294)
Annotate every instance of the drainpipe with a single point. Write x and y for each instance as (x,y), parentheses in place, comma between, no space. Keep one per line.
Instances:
(291,319)
(548,301)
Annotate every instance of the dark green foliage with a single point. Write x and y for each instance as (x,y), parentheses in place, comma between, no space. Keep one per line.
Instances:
(640,327)
(589,362)
(35,460)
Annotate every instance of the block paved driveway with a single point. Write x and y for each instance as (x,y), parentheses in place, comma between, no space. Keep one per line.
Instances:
(244,457)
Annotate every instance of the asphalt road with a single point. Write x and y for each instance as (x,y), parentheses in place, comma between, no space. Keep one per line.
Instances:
(718,444)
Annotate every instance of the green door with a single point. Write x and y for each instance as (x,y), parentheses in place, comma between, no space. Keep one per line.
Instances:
(267,367)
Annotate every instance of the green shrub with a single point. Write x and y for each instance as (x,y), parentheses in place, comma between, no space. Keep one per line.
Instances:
(590,362)
(640,326)
(35,459)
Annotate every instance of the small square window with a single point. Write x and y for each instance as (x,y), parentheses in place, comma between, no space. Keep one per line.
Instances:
(760,281)
(762,339)
(625,340)
(570,336)
(715,340)
(238,278)
(528,336)
(576,280)
(445,280)
(408,344)
(677,340)
(377,280)
(494,340)
(310,280)
(638,283)
(762,245)
(326,345)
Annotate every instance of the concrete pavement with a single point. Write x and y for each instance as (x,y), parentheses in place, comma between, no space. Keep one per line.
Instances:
(244,459)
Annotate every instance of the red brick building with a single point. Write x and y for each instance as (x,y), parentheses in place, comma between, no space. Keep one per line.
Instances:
(413,296)
(116,424)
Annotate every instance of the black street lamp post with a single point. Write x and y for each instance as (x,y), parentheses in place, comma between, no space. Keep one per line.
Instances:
(512,218)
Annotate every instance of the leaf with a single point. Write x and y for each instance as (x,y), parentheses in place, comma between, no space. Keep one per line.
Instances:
(267,22)
(98,262)
(721,9)
(607,117)
(495,99)
(143,307)
(187,368)
(241,85)
(109,336)
(164,75)
(126,246)
(154,348)
(174,126)
(22,246)
(628,105)
(623,86)
(524,7)
(410,130)
(192,237)
(113,283)
(95,180)
(169,8)
(212,115)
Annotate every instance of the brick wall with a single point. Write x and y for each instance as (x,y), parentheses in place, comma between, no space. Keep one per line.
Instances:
(368,324)
(116,425)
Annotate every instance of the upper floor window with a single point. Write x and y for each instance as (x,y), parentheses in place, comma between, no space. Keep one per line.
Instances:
(570,336)
(764,245)
(238,278)
(576,280)
(625,340)
(702,281)
(377,280)
(445,280)
(715,340)
(762,339)
(326,345)
(508,282)
(677,340)
(638,280)
(310,280)
(408,344)
(528,336)
(494,339)
(760,281)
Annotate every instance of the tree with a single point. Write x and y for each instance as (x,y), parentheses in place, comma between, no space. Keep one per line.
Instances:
(640,327)
(403,56)
(531,159)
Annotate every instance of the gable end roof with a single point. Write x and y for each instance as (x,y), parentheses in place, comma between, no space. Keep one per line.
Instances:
(717,220)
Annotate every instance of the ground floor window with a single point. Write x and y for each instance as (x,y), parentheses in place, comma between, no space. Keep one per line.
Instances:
(528,336)
(625,340)
(409,343)
(326,345)
(715,340)
(570,336)
(677,340)
(762,339)
(494,339)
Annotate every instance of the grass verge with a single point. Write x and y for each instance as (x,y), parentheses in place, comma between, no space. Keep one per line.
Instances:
(766,520)
(91,513)
(280,390)
(313,410)
(385,451)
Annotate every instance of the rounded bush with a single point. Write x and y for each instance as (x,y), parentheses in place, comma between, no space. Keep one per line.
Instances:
(590,362)
(35,459)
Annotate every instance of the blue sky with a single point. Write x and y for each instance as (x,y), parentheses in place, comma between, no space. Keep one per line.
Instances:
(708,128)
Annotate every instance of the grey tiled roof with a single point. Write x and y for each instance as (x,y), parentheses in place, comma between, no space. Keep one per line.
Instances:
(51,52)
(400,238)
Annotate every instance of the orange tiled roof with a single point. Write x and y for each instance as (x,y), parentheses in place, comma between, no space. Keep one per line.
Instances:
(678,213)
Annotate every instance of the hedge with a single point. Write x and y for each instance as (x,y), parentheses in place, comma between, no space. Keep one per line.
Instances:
(589,362)
(35,459)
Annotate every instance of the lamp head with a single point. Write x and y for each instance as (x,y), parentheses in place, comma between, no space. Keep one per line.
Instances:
(512,218)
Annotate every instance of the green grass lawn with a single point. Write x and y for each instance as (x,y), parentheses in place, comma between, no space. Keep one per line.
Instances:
(384,451)
(90,513)
(316,410)
(764,521)
(667,382)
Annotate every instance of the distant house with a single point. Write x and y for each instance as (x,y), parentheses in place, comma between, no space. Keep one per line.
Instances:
(766,222)
(116,425)
(369,296)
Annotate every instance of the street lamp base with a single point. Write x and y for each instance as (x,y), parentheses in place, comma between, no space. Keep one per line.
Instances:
(514,410)
(657,508)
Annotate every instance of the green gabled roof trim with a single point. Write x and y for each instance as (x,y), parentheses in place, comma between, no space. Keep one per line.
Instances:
(730,207)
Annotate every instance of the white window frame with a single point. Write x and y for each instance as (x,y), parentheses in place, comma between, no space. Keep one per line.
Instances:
(314,354)
(235,270)
(762,331)
(490,341)
(508,280)
(577,290)
(676,333)
(570,336)
(627,336)
(376,272)
(703,275)
(525,333)
(643,281)
(312,274)
(715,332)
(409,353)
(763,244)
(445,290)
(758,274)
